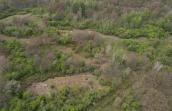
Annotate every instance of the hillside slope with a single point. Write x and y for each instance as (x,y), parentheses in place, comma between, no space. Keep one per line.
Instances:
(85,55)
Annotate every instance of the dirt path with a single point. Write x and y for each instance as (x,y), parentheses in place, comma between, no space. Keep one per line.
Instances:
(93,32)
(79,80)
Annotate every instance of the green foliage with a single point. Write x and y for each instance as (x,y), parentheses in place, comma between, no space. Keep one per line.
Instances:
(130,103)
(136,19)
(10,12)
(136,46)
(20,64)
(26,30)
(59,62)
(91,48)
(154,32)
(134,24)
(164,54)
(141,24)
(60,23)
(64,40)
(118,56)
(165,23)
(67,99)
(106,26)
(79,6)
(130,33)
(60,65)
(79,14)
(106,16)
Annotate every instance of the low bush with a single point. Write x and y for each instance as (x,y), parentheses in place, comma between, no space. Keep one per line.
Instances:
(165,55)
(152,31)
(118,56)
(139,47)
(136,19)
(60,23)
(20,65)
(22,30)
(64,40)
(165,23)
(66,99)
(91,49)
(130,104)
(62,64)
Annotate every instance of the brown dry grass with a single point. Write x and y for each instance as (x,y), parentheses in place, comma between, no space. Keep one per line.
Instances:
(82,80)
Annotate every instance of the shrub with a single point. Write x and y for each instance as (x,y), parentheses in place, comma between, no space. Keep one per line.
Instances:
(91,48)
(136,19)
(59,62)
(118,56)
(165,23)
(60,23)
(64,40)
(139,47)
(63,63)
(79,6)
(130,33)
(136,62)
(20,65)
(45,62)
(141,24)
(106,26)
(154,32)
(21,28)
(165,55)
(12,88)
(130,103)
(66,99)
